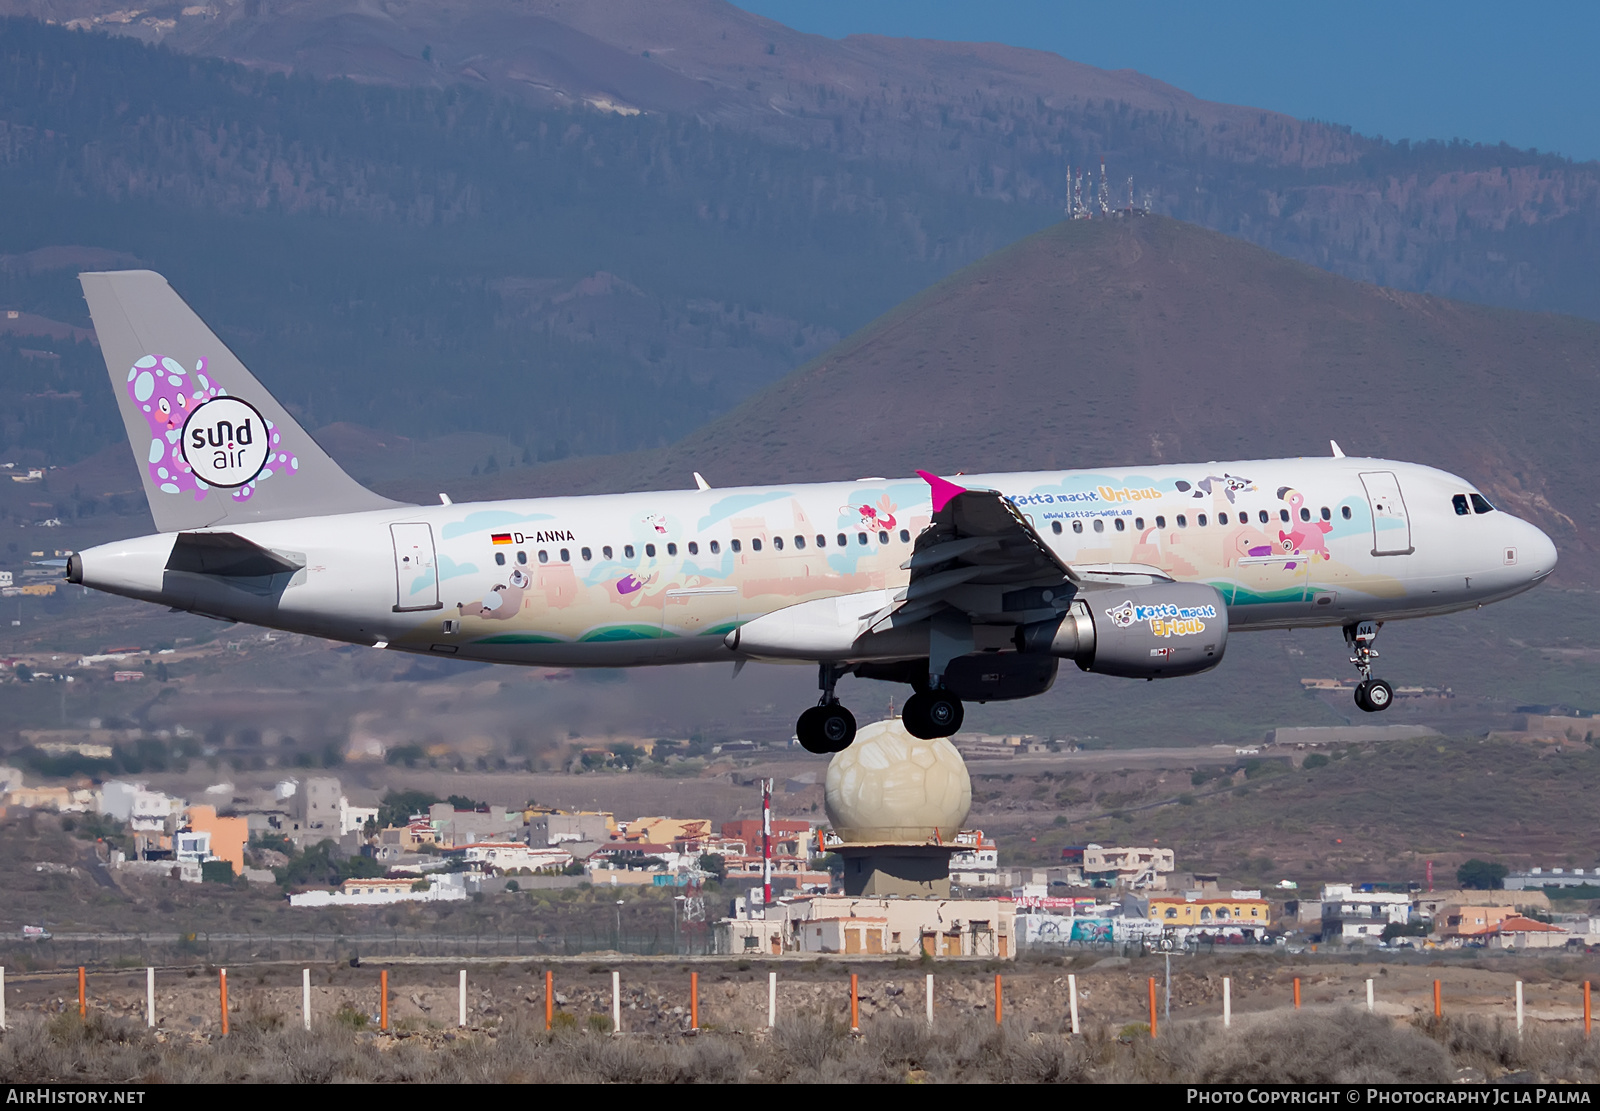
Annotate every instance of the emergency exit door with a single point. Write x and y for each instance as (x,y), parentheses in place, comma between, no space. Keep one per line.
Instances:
(1391,525)
(416,570)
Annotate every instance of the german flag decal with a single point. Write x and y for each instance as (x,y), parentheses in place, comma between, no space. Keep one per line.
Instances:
(500,537)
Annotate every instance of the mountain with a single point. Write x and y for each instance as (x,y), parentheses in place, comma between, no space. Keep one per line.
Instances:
(1147,340)
(1489,224)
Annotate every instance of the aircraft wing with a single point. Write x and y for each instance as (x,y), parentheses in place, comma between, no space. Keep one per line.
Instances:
(981,556)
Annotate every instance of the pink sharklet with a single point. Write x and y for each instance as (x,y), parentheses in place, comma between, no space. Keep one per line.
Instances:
(943,489)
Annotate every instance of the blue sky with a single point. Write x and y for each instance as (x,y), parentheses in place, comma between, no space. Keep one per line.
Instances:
(1406,69)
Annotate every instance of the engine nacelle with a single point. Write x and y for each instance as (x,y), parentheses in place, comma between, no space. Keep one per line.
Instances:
(1137,632)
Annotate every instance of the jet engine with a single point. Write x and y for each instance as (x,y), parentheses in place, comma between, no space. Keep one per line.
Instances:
(1138,632)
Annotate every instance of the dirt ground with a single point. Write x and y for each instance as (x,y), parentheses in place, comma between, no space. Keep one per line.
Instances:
(1113,992)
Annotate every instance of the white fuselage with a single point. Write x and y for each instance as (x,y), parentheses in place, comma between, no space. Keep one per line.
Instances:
(662,577)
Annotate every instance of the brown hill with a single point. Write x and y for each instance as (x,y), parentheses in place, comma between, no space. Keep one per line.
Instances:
(1148,340)
(1491,224)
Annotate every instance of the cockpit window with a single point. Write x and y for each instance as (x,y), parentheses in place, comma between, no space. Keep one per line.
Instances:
(1481,504)
(1460,502)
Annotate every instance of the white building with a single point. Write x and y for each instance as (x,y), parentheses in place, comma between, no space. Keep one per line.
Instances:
(354,819)
(874,926)
(371,893)
(1355,915)
(506,856)
(976,863)
(144,810)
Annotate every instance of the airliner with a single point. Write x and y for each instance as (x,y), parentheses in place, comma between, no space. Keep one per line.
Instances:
(967,588)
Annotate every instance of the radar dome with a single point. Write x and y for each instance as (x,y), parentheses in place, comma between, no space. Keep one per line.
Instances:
(891,786)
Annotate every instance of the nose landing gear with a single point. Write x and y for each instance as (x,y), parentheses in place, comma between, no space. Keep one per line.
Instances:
(1372,695)
(826,727)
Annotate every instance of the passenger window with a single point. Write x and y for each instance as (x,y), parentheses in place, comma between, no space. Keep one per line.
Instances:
(799,543)
(1201,520)
(1077,526)
(861,538)
(734,546)
(755,545)
(1305,514)
(1055,527)
(586,554)
(650,550)
(672,549)
(905,536)
(1222,518)
(1344,511)
(627,551)
(842,539)
(1326,515)
(715,547)
(1138,523)
(777,543)
(694,548)
(500,558)
(544,556)
(566,556)
(1161,521)
(1283,515)
(522,557)
(1263,517)
(1481,504)
(1121,524)
(883,536)
(605,552)
(822,541)
(1183,522)
(1099,525)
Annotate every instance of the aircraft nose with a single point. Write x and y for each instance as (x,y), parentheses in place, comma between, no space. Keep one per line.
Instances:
(1536,551)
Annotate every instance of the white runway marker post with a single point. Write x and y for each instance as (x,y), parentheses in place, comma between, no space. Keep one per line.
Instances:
(461,1019)
(1519,1008)
(150,996)
(930,1000)
(305,996)
(2,997)
(1370,1003)
(616,1002)
(1072,999)
(1227,1001)
(772,1000)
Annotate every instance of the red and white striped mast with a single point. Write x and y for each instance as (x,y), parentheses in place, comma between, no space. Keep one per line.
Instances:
(766,842)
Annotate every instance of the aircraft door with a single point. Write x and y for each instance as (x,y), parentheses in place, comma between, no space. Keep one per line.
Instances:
(416,569)
(1391,524)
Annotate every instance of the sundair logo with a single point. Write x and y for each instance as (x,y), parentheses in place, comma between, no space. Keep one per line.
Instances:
(225,442)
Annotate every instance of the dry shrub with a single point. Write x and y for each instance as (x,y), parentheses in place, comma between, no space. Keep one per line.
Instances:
(1493,1046)
(1336,1047)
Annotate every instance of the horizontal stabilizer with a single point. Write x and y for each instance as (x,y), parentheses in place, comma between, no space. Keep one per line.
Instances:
(227,555)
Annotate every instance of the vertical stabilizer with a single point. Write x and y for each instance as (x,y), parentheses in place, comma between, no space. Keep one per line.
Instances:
(213,447)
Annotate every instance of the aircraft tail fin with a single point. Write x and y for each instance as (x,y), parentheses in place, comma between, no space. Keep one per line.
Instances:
(212,445)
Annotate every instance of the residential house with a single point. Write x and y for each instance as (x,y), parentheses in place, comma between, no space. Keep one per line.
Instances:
(227,836)
(1518,932)
(1135,866)
(976,863)
(1471,921)
(1246,909)
(1353,914)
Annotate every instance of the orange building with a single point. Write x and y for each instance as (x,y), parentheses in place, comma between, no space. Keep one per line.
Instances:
(228,835)
(1466,921)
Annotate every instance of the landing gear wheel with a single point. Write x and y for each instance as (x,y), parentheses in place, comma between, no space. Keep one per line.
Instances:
(825,729)
(1374,695)
(931,714)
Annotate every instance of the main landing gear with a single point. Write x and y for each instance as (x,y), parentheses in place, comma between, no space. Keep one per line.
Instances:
(827,726)
(932,713)
(1372,695)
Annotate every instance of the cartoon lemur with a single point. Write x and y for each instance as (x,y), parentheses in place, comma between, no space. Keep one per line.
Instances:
(501,603)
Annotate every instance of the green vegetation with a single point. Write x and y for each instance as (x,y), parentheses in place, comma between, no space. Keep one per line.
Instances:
(216,871)
(1315,760)
(1482,874)
(397,806)
(715,865)
(321,863)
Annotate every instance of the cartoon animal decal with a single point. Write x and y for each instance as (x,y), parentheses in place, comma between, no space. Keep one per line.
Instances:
(1121,616)
(632,584)
(1228,485)
(872,517)
(503,602)
(1304,537)
(168,396)
(658,522)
